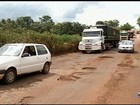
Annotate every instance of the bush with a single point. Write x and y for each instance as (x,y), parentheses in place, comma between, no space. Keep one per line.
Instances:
(57,44)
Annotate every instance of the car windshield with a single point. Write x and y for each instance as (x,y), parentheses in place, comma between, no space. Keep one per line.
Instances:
(126,43)
(10,50)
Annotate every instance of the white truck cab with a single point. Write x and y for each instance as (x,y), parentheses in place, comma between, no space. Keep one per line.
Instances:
(92,39)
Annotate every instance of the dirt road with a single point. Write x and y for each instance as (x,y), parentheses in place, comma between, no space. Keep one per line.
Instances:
(98,78)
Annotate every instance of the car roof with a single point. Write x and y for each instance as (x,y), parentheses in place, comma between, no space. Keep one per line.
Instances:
(23,44)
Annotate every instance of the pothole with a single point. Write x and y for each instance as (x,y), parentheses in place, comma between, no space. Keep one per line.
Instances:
(106,57)
(80,73)
(126,65)
(89,68)
(123,65)
(70,77)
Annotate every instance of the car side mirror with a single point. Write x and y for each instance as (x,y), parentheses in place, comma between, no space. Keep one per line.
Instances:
(25,55)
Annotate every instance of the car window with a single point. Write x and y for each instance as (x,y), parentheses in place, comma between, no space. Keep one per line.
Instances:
(126,43)
(30,50)
(41,49)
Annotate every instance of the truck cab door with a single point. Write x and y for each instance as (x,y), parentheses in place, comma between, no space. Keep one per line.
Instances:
(102,36)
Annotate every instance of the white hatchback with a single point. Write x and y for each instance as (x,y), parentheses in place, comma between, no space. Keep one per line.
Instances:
(22,58)
(126,45)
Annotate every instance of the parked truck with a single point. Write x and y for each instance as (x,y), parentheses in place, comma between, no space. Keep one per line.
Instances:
(99,38)
(124,35)
(131,35)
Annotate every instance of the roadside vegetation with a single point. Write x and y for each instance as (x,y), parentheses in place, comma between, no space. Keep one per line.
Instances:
(57,44)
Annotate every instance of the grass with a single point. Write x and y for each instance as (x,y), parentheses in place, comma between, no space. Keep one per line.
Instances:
(57,44)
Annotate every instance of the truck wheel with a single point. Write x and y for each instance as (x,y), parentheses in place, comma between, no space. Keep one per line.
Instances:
(46,68)
(83,52)
(10,76)
(119,51)
(100,51)
(102,47)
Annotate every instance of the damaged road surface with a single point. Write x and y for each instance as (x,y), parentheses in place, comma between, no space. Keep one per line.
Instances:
(97,78)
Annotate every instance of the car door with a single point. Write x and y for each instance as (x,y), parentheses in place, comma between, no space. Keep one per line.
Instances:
(29,60)
(43,55)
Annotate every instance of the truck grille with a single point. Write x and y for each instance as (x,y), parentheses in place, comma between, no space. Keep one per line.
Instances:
(88,41)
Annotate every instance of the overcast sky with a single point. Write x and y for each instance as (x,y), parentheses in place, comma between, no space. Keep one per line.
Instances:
(84,12)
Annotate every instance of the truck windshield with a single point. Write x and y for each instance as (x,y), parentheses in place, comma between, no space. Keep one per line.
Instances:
(91,34)
(10,50)
(124,34)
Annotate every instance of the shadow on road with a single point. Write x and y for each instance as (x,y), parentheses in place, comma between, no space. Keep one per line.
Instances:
(26,80)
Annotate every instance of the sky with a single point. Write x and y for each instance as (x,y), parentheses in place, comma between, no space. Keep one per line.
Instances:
(84,12)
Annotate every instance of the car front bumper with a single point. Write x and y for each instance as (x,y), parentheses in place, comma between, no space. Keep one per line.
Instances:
(126,50)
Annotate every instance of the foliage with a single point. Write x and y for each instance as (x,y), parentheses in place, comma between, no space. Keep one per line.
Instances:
(45,24)
(112,23)
(99,22)
(138,21)
(69,28)
(126,26)
(57,44)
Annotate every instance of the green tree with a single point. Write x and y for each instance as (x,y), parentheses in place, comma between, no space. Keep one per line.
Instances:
(116,23)
(8,24)
(99,22)
(126,26)
(112,23)
(46,23)
(69,28)
(24,22)
(78,28)
(36,26)
(138,21)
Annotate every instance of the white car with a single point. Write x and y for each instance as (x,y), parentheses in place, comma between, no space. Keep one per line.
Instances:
(22,58)
(126,46)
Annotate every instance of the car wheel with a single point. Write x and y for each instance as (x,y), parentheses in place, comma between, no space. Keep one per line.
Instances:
(46,68)
(133,51)
(119,51)
(10,76)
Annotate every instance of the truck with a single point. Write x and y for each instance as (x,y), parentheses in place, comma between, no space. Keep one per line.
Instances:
(99,38)
(124,35)
(131,35)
